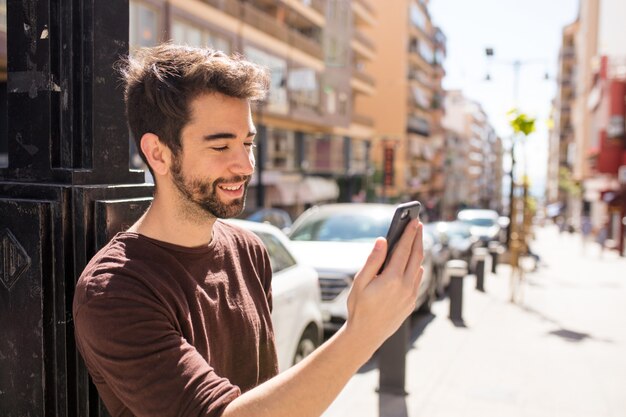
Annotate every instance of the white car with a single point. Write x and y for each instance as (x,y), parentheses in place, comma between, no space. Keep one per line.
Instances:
(484,224)
(336,240)
(296,316)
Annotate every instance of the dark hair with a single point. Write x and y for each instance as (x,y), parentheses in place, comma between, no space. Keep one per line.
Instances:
(161,82)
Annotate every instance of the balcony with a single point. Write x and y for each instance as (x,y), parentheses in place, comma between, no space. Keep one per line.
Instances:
(268,24)
(363,12)
(362,119)
(305,44)
(361,76)
(418,126)
(230,7)
(361,38)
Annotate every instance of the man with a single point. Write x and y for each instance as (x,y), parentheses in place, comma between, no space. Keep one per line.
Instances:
(172,317)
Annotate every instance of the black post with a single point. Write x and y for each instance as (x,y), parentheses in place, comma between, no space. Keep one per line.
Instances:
(480,257)
(61,196)
(456,270)
(494,251)
(480,275)
(392,362)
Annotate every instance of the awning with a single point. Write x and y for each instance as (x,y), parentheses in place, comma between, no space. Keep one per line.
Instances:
(317,189)
(290,191)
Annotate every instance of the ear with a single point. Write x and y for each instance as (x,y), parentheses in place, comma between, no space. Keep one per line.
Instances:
(157,153)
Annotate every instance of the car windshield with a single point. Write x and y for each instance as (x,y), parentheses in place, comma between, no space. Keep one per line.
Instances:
(459,229)
(482,222)
(342,227)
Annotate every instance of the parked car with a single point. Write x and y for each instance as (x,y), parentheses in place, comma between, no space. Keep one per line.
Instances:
(296,315)
(274,216)
(336,240)
(484,224)
(451,240)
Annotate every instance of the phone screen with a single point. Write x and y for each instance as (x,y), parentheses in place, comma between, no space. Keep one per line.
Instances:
(401,217)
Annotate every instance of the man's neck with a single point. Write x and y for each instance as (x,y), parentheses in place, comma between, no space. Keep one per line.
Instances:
(167,223)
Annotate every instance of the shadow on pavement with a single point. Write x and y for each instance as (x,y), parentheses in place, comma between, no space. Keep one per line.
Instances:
(390,405)
(565,334)
(418,324)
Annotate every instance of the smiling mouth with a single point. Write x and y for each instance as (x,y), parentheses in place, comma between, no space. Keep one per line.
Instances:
(231,187)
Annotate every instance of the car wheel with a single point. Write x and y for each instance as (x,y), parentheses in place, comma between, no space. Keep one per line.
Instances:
(307,344)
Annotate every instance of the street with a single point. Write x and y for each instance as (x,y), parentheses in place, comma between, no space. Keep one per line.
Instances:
(561,351)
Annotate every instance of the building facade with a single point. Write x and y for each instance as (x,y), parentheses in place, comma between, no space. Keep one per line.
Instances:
(592,144)
(474,157)
(408,106)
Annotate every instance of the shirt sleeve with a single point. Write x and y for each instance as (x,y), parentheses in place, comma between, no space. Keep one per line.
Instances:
(133,350)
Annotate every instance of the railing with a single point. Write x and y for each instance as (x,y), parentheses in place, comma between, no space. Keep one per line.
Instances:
(264,22)
(305,44)
(418,125)
(231,7)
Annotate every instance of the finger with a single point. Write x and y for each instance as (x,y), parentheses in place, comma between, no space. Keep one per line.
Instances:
(372,265)
(417,253)
(402,251)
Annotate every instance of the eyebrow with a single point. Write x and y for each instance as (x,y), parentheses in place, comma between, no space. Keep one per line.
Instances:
(224,135)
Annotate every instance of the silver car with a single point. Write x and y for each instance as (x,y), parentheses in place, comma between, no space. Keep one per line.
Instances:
(336,240)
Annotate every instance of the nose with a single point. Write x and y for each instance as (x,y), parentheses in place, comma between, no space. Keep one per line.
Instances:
(244,162)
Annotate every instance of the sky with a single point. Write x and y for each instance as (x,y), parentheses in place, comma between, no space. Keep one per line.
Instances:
(528,31)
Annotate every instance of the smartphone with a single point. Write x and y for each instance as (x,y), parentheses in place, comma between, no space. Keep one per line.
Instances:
(404,213)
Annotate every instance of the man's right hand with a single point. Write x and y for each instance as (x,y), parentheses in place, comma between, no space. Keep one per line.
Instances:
(378,304)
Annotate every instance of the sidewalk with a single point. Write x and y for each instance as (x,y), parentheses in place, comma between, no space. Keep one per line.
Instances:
(560,352)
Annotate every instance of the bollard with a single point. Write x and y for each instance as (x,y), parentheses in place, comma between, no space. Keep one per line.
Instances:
(479,257)
(456,270)
(495,249)
(392,362)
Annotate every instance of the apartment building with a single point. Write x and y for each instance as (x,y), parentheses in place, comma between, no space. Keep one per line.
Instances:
(407,108)
(474,156)
(561,142)
(597,153)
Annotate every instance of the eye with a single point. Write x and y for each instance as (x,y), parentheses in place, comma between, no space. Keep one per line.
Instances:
(219,148)
(249,145)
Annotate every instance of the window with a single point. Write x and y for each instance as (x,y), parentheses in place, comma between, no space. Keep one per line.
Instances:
(189,34)
(281,149)
(186,34)
(303,86)
(417,17)
(144,25)
(279,256)
(277,100)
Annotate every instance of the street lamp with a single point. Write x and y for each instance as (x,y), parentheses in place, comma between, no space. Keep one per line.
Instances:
(516,65)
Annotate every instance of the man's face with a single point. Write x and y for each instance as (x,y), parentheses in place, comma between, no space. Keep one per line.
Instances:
(216,163)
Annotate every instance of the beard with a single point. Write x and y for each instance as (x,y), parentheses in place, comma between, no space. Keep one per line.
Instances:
(202,194)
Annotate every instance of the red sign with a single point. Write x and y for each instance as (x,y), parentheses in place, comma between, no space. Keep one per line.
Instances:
(388,171)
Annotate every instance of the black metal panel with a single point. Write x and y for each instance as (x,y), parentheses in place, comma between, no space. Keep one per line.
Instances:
(113,216)
(65,101)
(28,379)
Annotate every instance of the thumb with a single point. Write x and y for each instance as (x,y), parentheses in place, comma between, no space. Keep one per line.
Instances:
(372,265)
